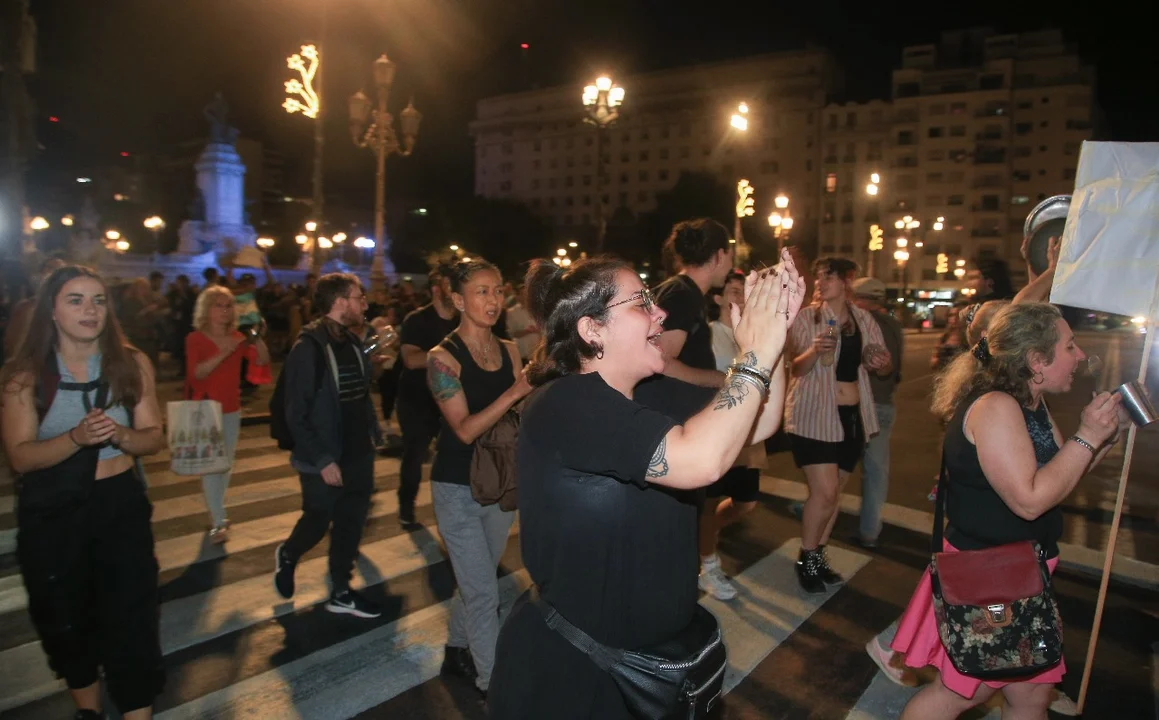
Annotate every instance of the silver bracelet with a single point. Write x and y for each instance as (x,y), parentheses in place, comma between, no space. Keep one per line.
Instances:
(1084,443)
(763,388)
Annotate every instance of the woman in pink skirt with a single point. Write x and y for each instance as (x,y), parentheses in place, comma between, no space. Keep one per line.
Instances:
(1008,470)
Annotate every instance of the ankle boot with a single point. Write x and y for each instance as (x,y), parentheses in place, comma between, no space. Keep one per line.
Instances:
(809,571)
(829,576)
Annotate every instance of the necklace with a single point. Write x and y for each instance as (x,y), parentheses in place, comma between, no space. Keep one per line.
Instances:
(484,353)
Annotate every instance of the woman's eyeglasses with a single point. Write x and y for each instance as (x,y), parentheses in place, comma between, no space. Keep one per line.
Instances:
(647,301)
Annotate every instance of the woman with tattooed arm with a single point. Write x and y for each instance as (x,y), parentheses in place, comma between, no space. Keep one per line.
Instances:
(607,525)
(475,378)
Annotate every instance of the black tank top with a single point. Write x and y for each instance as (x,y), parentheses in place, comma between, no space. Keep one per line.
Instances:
(977,516)
(481,387)
(849,359)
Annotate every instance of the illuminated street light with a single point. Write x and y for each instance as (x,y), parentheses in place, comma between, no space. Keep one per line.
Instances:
(787,223)
(154,223)
(573,244)
(301,239)
(601,101)
(775,220)
(940,223)
(311,226)
(339,237)
(112,235)
(781,201)
(902,242)
(324,243)
(66,221)
(122,245)
(960,263)
(901,256)
(959,273)
(871,189)
(454,248)
(561,252)
(38,223)
(363,243)
(875,178)
(265,242)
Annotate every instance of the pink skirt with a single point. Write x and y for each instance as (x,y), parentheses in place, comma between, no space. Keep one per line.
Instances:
(917,637)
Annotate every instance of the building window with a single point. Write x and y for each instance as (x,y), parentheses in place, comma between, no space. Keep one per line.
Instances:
(1022,151)
(625,157)
(832,121)
(551,183)
(956,200)
(956,177)
(957,108)
(663,175)
(958,155)
(851,119)
(535,184)
(587,200)
(664,133)
(936,109)
(936,155)
(934,177)
(570,161)
(933,200)
(808,166)
(642,196)
(569,201)
(623,199)
(1019,199)
(569,143)
(808,118)
(587,180)
(957,131)
(624,178)
(567,219)
(643,134)
(990,202)
(506,148)
(551,202)
(684,152)
(1025,104)
(643,176)
(505,186)
(685,129)
(992,81)
(505,167)
(663,153)
(831,183)
(1044,123)
(1023,128)
(535,164)
(905,137)
(537,146)
(1021,175)
(568,181)
(769,167)
(1070,148)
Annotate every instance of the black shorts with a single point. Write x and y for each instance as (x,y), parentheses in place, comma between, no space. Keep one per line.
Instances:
(845,454)
(742,484)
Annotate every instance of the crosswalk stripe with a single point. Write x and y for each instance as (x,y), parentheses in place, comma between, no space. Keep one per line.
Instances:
(347,678)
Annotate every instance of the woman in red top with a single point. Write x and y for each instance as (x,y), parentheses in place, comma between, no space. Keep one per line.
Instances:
(213,354)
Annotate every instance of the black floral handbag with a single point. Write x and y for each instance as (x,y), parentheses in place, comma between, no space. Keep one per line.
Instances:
(682,677)
(996,612)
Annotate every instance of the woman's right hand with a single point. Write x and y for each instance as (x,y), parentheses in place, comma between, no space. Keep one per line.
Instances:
(1100,419)
(93,429)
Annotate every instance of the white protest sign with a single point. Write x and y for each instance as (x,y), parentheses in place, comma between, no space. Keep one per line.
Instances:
(1109,259)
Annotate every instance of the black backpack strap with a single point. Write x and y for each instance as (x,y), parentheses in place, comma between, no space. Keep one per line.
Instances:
(940,508)
(603,656)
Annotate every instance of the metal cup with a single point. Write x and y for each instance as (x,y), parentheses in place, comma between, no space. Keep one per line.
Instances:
(1137,403)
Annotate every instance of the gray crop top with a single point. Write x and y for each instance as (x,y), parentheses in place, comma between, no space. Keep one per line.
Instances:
(68,408)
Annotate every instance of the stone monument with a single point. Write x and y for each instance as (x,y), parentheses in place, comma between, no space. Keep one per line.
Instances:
(218,225)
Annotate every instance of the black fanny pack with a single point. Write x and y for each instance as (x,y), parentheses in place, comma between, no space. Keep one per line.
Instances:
(681,677)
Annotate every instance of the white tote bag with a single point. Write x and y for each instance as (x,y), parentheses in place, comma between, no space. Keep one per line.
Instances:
(196,442)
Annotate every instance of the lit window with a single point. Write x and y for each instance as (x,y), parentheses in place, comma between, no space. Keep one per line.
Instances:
(831,183)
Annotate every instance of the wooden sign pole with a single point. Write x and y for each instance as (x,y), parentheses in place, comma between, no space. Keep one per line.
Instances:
(1114,533)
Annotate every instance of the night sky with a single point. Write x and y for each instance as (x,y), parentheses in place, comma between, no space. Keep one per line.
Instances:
(134,74)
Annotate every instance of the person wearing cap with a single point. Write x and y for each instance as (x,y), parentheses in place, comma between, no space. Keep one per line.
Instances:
(869,295)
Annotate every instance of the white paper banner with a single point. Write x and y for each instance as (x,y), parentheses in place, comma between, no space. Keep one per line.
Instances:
(1109,260)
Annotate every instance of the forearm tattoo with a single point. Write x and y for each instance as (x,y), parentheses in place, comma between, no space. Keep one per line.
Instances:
(733,393)
(749,359)
(442,381)
(658,465)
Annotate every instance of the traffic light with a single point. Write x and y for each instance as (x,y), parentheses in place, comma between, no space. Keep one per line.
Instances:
(876,242)
(943,264)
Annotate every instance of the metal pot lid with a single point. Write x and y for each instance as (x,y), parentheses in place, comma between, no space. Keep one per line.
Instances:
(1052,208)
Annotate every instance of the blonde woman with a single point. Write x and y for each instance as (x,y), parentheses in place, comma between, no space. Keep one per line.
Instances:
(213,355)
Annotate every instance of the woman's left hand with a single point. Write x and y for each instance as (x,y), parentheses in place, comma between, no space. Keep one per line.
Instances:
(876,358)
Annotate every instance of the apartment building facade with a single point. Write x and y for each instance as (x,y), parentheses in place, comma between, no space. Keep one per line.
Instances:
(535,147)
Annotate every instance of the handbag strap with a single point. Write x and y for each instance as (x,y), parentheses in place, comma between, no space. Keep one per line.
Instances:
(936,543)
(603,656)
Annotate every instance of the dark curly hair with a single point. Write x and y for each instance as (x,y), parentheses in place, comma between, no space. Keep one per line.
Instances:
(839,266)
(558,298)
(696,242)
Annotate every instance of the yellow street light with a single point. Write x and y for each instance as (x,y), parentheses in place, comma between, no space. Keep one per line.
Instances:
(573,244)
(874,178)
(339,237)
(38,223)
(960,263)
(154,223)
(871,189)
(112,235)
(901,255)
(301,239)
(959,273)
(324,243)
(902,242)
(566,262)
(561,252)
(781,201)
(454,248)
(919,244)
(265,242)
(787,223)
(311,226)
(940,223)
(775,220)
(66,221)
(363,242)
(900,225)
(122,245)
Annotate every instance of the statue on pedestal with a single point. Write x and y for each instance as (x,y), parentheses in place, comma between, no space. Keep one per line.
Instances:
(216,113)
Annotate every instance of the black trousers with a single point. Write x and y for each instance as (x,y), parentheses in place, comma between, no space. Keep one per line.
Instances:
(419,421)
(91,578)
(342,510)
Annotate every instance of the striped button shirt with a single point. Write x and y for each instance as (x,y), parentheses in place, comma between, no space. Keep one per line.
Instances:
(811,407)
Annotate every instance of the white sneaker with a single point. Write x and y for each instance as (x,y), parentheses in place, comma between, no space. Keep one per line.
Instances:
(1063,705)
(712,580)
(882,657)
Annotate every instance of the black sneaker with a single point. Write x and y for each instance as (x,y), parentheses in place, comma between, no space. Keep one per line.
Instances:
(809,571)
(406,518)
(457,661)
(88,715)
(349,602)
(829,576)
(284,572)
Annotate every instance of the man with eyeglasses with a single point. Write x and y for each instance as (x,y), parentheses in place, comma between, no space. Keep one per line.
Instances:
(332,420)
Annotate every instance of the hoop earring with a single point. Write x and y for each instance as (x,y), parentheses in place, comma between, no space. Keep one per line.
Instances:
(1038,378)
(599,352)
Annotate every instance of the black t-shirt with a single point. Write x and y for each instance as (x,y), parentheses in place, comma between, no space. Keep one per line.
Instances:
(615,554)
(352,392)
(682,300)
(424,329)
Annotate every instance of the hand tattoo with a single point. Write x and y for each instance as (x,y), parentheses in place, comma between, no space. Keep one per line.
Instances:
(658,465)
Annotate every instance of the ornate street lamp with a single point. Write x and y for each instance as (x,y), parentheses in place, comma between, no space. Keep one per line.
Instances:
(602,100)
(373,129)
